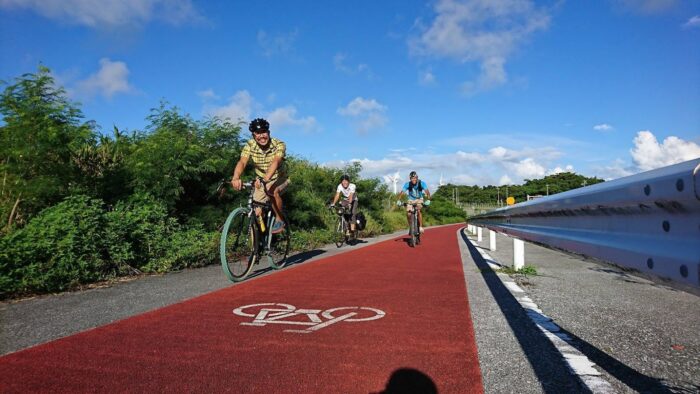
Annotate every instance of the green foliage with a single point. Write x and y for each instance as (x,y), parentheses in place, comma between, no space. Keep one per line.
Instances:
(181,161)
(528,270)
(39,141)
(311,188)
(556,183)
(394,220)
(138,231)
(103,167)
(60,248)
(86,207)
(141,236)
(443,211)
(309,239)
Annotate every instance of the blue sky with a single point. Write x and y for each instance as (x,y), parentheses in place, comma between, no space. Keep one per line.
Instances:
(473,92)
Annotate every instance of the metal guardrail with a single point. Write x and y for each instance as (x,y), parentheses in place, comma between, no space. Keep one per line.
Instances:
(649,222)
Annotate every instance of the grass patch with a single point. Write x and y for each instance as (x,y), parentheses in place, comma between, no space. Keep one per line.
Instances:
(528,270)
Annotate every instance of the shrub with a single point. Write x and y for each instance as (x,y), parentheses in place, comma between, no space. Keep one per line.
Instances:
(138,231)
(61,247)
(189,248)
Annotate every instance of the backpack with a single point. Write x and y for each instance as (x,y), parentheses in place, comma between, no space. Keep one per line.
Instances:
(419,186)
(361,221)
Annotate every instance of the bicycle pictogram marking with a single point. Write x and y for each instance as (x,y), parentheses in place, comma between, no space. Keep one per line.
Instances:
(316,319)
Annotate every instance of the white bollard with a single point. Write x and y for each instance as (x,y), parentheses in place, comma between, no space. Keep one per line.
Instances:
(492,240)
(478,234)
(518,254)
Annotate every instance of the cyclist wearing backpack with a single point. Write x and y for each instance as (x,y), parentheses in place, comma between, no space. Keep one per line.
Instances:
(349,198)
(415,189)
(267,155)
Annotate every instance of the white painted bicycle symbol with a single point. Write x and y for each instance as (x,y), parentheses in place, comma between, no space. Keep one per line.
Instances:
(315,319)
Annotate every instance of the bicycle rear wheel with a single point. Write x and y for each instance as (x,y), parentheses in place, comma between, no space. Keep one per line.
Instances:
(279,248)
(340,232)
(238,248)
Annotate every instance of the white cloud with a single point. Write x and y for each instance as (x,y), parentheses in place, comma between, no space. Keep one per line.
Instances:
(97,13)
(367,113)
(498,152)
(498,166)
(112,78)
(280,44)
(285,116)
(527,168)
(487,32)
(427,78)
(505,180)
(242,107)
(339,61)
(208,94)
(648,154)
(617,169)
(559,170)
(603,127)
(692,22)
(238,109)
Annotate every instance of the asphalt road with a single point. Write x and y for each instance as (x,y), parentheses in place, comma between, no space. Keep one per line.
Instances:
(41,319)
(640,335)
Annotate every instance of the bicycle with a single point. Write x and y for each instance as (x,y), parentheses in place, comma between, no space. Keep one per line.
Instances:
(343,231)
(246,239)
(414,228)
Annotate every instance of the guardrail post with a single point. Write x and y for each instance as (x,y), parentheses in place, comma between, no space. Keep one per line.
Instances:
(492,240)
(478,234)
(518,254)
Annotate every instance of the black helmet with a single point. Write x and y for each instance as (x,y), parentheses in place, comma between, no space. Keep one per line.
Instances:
(345,177)
(413,173)
(259,124)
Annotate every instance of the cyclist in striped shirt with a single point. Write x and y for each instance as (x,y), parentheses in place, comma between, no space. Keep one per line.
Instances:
(267,156)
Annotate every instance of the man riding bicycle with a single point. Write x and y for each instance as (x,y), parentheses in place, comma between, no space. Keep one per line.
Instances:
(349,199)
(415,189)
(267,155)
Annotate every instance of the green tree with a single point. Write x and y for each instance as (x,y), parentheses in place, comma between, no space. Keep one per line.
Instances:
(39,140)
(179,160)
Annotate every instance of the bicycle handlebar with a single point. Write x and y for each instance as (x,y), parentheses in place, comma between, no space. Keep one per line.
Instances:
(251,184)
(402,203)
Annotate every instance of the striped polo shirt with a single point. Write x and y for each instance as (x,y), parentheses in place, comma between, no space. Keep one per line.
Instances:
(263,158)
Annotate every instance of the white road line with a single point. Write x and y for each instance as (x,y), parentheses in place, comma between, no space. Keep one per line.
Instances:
(578,363)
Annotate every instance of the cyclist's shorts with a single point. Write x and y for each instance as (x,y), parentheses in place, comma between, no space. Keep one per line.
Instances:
(417,201)
(280,184)
(353,207)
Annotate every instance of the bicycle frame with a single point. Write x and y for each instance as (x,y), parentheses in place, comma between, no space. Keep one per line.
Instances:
(263,243)
(344,225)
(414,228)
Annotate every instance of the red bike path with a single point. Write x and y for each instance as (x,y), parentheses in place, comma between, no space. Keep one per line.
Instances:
(425,338)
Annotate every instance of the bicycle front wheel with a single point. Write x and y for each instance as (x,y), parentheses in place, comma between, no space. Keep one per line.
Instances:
(413,230)
(340,232)
(238,248)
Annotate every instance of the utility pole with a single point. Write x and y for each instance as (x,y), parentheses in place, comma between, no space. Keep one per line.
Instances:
(548,189)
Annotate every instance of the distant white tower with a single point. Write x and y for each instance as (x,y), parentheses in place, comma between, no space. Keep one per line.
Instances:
(393,179)
(442,183)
